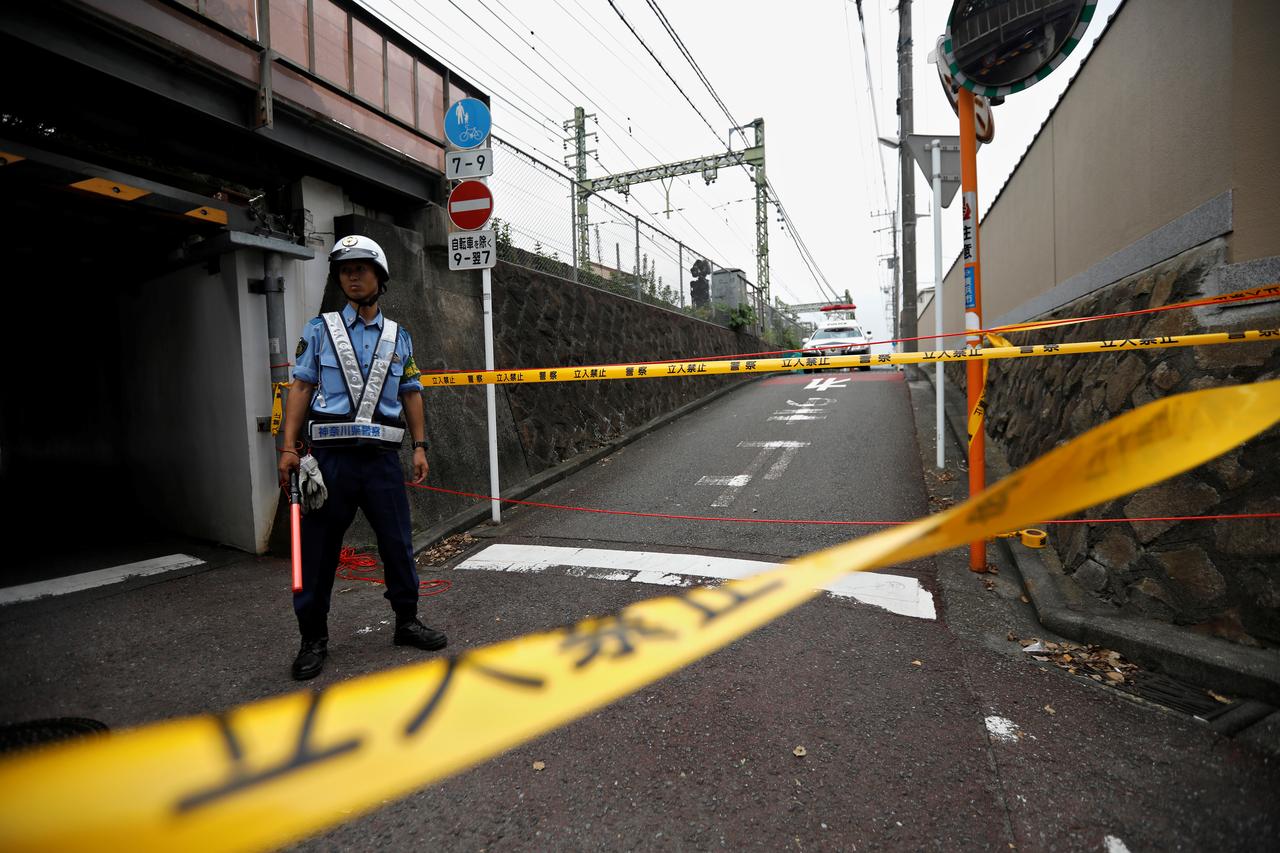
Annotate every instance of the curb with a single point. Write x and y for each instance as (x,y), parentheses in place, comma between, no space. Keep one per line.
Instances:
(469,518)
(1063,607)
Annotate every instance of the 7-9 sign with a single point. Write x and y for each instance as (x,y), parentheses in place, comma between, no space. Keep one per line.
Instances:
(473,250)
(477,163)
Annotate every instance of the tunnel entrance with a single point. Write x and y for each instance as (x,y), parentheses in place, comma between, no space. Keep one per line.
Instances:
(74,358)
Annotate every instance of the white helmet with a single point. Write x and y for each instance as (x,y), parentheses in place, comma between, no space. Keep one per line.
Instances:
(356,247)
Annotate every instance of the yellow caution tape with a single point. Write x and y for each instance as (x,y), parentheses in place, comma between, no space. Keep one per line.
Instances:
(719,367)
(274,771)
(997,340)
(979,410)
(1029,536)
(277,406)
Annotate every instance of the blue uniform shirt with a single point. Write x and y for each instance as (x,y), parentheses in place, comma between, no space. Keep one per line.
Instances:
(316,363)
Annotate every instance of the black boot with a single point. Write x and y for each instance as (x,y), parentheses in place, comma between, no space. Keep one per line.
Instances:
(411,632)
(310,659)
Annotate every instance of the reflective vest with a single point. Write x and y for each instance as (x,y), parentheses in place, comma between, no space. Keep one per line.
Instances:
(364,393)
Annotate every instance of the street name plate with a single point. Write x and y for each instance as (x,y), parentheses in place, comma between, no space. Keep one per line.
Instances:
(473,250)
(476,163)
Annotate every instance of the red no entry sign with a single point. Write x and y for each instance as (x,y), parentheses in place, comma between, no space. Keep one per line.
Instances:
(470,205)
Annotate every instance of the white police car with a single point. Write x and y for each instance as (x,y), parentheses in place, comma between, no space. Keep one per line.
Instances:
(841,334)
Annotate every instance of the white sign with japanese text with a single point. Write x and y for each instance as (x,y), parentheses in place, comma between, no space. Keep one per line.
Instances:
(473,250)
(477,163)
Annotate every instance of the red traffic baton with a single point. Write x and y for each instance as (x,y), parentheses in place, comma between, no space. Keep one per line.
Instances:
(295,528)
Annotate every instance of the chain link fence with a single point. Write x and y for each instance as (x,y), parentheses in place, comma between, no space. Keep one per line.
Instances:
(616,250)
(623,253)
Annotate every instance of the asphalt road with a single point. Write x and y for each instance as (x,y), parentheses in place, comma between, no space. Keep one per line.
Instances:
(821,446)
(917,734)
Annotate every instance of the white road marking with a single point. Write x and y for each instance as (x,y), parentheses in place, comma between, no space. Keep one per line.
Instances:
(471,204)
(1002,729)
(792,417)
(789,449)
(895,593)
(738,481)
(735,484)
(825,384)
(101,577)
(1114,845)
(809,410)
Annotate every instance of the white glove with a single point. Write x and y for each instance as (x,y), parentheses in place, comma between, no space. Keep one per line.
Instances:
(311,484)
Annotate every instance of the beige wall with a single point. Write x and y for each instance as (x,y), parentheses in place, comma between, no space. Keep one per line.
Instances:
(1255,127)
(1127,156)
(1176,105)
(1026,249)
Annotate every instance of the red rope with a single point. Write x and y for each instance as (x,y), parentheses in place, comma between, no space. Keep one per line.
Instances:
(1228,516)
(357,567)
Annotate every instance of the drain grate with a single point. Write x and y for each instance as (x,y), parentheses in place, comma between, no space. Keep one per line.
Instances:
(36,732)
(1187,698)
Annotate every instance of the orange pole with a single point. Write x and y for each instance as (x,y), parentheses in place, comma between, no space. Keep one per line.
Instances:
(972,304)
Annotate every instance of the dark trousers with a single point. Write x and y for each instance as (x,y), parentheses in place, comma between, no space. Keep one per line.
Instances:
(369,479)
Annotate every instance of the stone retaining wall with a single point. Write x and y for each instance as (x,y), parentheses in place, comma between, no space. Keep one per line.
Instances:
(1218,577)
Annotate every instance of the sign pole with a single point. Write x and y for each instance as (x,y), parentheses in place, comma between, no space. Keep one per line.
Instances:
(467,123)
(1029,45)
(975,376)
(939,343)
(491,396)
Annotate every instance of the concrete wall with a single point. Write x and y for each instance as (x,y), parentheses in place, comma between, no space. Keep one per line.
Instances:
(1139,138)
(186,415)
(255,368)
(1255,129)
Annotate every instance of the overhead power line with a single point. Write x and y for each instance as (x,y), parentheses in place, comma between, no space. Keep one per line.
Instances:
(623,17)
(875,112)
(508,93)
(792,231)
(537,115)
(693,63)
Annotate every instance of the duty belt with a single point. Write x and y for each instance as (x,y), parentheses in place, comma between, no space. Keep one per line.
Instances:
(322,432)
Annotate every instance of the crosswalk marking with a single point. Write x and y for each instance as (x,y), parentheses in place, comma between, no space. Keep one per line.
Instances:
(895,593)
(101,577)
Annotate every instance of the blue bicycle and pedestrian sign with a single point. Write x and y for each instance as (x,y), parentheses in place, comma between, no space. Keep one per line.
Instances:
(467,123)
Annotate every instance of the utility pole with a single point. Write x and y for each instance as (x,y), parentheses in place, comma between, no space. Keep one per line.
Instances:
(907,320)
(892,258)
(578,127)
(762,221)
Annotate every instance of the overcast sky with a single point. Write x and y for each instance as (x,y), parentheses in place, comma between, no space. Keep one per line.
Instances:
(799,65)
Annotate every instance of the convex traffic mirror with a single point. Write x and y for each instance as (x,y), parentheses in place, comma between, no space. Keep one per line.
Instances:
(998,47)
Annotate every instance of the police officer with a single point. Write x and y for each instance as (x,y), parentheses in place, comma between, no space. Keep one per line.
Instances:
(356,390)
